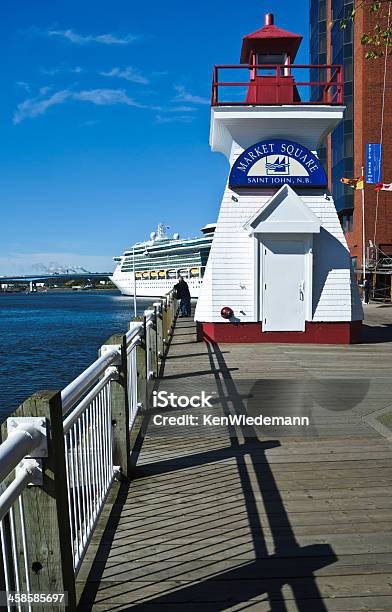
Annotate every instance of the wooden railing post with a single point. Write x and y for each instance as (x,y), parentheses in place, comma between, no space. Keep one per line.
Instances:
(46,509)
(120,407)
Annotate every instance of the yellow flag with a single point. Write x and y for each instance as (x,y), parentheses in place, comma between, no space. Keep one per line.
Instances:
(354,183)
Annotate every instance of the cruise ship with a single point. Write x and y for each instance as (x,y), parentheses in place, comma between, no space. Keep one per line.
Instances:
(151,268)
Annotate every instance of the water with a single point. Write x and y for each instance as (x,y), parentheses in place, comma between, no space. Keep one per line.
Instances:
(47,339)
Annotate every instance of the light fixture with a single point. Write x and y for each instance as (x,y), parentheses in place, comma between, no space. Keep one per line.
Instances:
(227,312)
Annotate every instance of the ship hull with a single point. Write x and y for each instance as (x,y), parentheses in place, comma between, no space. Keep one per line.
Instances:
(152,288)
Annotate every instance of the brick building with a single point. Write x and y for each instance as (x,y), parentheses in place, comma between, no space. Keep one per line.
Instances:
(345,150)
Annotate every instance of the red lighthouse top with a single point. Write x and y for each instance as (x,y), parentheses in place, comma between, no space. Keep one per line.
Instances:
(267,58)
(270,40)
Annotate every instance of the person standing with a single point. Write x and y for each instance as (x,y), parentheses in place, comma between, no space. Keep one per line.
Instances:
(183,294)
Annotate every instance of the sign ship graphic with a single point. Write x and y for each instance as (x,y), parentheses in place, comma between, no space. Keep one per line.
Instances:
(279,166)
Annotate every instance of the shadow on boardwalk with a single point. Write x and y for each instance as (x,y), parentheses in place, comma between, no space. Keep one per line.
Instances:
(260,580)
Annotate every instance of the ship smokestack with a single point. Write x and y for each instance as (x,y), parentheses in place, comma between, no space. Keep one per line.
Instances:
(269,19)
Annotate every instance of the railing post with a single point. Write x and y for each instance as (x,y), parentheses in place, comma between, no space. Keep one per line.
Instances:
(340,86)
(151,342)
(159,329)
(165,335)
(141,365)
(46,520)
(214,99)
(120,407)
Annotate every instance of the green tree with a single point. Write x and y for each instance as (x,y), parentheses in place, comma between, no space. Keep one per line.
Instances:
(379,40)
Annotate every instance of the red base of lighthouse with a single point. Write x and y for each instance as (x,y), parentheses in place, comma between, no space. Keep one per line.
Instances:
(346,332)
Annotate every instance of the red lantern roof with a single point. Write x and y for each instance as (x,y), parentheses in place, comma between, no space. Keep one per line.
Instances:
(270,39)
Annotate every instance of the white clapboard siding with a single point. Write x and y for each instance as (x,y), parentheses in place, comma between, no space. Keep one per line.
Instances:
(229,278)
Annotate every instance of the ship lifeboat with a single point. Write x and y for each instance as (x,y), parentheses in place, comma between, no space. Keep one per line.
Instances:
(161,273)
(195,272)
(146,275)
(154,274)
(183,272)
(138,274)
(171,274)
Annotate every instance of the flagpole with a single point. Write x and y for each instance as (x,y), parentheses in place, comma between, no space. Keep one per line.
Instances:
(363,230)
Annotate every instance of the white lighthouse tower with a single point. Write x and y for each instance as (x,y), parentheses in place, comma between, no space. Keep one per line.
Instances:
(279,268)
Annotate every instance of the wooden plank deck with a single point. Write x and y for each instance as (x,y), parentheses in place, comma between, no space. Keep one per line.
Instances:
(242,520)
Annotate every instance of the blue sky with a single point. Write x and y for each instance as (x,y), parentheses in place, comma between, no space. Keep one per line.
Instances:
(104,115)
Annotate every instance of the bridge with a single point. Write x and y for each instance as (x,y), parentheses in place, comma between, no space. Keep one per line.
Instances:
(124,513)
(39,278)
(32,280)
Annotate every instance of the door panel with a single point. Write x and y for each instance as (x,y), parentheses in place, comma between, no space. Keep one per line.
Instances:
(283,287)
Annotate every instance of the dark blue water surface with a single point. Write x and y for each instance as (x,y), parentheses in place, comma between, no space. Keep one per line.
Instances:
(47,339)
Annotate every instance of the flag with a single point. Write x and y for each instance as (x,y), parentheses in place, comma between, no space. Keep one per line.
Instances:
(355,183)
(383,187)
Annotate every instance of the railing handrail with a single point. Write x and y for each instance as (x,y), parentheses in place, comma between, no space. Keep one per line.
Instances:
(136,330)
(282,72)
(74,414)
(18,444)
(76,389)
(281,66)
(24,477)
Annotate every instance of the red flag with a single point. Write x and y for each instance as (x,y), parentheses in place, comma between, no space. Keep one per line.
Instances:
(383,187)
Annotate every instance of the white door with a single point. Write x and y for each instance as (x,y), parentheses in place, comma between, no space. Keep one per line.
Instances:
(283,284)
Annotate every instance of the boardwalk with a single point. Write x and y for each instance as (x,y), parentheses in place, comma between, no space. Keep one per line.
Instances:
(244,520)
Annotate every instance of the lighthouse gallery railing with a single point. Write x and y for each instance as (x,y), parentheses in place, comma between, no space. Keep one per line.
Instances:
(324,86)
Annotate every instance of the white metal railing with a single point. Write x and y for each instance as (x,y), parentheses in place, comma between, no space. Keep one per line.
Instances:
(149,316)
(87,428)
(26,437)
(133,339)
(89,462)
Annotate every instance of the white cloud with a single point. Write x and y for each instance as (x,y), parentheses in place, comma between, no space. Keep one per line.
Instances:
(61,70)
(185,96)
(44,90)
(23,85)
(105,97)
(22,263)
(129,74)
(34,107)
(174,118)
(104,39)
(181,109)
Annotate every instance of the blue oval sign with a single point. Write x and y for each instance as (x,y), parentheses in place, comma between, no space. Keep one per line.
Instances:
(277,162)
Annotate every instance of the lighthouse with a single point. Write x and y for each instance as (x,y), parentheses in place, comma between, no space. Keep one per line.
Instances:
(279,268)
